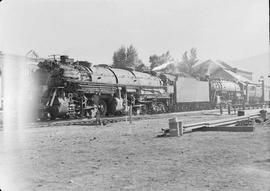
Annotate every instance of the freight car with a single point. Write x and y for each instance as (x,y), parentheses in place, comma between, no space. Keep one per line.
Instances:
(224,91)
(190,94)
(79,89)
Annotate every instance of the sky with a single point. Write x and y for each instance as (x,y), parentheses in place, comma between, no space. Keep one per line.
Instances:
(92,30)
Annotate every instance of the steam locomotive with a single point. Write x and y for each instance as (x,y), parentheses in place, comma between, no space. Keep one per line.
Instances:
(79,89)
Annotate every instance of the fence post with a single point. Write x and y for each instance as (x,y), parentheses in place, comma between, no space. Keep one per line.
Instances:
(220,108)
(98,120)
(253,122)
(181,129)
(130,114)
(126,107)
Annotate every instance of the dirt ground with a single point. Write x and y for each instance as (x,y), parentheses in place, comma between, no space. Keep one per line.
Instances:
(125,156)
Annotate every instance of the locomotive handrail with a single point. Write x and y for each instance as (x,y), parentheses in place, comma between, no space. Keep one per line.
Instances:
(84,83)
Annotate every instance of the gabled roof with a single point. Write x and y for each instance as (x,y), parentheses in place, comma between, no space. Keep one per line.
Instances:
(240,78)
(208,67)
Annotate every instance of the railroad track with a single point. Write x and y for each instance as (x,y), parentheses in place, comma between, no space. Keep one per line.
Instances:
(115,119)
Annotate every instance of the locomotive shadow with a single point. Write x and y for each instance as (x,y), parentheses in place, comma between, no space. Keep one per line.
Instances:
(90,124)
(262,161)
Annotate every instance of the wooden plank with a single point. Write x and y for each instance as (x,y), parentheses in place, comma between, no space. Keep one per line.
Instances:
(217,123)
(222,124)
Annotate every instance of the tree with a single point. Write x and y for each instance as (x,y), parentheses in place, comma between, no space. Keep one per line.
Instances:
(125,57)
(193,56)
(154,60)
(188,61)
(131,56)
(159,60)
(141,67)
(170,69)
(119,58)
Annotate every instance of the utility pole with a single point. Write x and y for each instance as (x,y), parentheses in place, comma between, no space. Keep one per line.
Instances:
(262,81)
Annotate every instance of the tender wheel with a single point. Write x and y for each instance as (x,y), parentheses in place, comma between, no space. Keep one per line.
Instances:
(111,109)
(54,112)
(43,116)
(102,108)
(143,110)
(161,107)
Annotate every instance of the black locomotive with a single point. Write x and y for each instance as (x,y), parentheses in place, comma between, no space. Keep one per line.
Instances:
(80,89)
